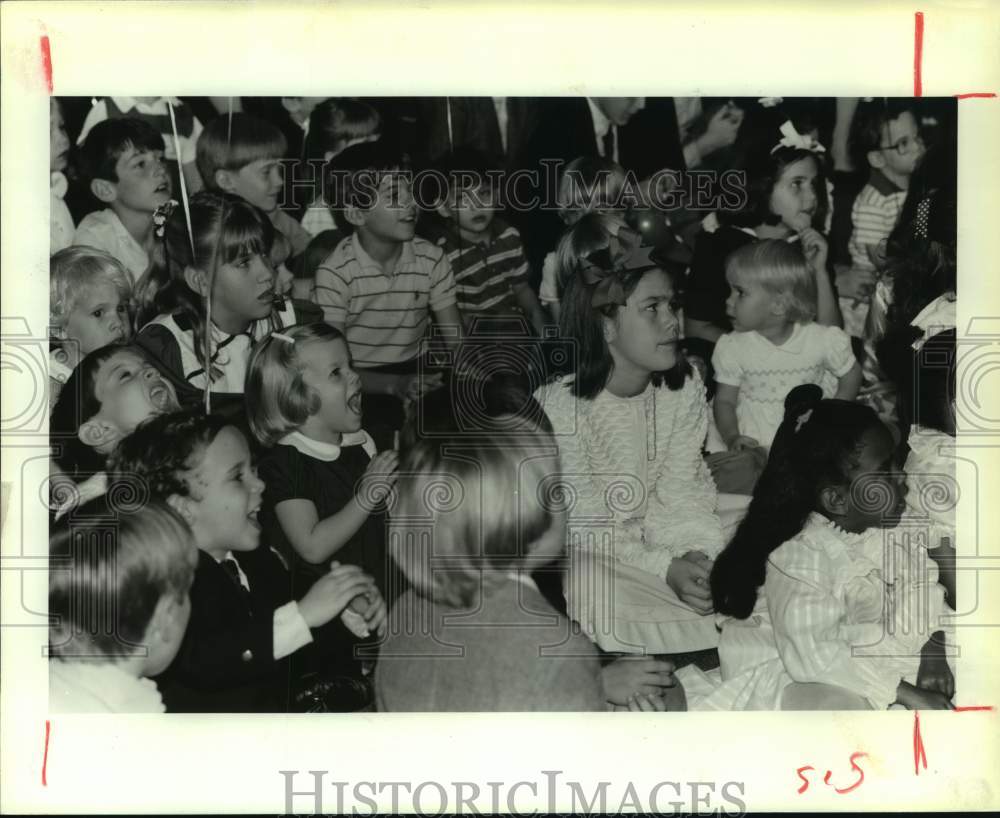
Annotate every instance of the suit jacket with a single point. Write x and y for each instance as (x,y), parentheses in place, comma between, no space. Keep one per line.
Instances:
(474,124)
(648,142)
(226,661)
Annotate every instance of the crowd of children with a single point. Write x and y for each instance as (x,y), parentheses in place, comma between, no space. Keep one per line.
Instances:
(509,404)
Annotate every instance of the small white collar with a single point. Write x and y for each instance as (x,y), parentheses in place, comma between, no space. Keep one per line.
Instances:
(328,452)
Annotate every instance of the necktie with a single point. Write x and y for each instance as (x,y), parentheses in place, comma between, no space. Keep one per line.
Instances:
(609,143)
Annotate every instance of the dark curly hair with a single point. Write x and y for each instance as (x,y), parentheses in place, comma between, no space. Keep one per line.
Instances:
(164,448)
(821,453)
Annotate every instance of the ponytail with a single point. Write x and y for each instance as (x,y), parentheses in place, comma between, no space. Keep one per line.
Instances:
(813,448)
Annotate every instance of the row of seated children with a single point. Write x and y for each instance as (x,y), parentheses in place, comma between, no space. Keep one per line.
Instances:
(247,615)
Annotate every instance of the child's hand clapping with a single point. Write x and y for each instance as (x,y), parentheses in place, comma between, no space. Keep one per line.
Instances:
(379,477)
(332,593)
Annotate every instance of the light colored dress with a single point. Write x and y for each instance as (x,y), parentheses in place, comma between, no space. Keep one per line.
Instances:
(765,373)
(99,687)
(851,610)
(640,495)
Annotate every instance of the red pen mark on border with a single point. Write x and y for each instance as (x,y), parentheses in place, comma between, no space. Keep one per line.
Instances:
(918,745)
(918,69)
(45,758)
(46,60)
(987,707)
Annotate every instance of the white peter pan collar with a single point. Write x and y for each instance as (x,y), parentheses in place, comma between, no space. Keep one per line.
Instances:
(328,452)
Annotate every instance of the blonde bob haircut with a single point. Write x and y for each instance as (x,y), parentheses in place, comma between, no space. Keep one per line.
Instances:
(781,269)
(469,510)
(278,401)
(74,270)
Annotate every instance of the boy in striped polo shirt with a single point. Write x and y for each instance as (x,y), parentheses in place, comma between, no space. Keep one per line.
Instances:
(486,254)
(885,134)
(382,283)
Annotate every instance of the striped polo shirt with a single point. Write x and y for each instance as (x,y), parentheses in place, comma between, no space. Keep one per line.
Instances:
(383,315)
(485,274)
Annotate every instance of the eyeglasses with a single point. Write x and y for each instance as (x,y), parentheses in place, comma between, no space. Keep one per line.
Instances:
(904,145)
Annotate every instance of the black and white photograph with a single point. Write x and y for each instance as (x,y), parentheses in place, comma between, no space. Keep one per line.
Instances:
(370,413)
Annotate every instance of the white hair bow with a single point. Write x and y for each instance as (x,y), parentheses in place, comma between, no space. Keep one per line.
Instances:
(791,138)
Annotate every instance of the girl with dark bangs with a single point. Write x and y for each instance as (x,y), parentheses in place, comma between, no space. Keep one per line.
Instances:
(220,276)
(630,423)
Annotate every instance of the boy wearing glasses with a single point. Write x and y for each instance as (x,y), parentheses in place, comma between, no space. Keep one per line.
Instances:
(885,134)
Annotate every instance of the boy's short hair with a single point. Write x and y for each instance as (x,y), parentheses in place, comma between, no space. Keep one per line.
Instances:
(76,404)
(109,566)
(354,175)
(108,140)
(592,178)
(317,251)
(278,400)
(487,493)
(335,121)
(870,122)
(231,143)
(73,270)
(161,450)
(782,270)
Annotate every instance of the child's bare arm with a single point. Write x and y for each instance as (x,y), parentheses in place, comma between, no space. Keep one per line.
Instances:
(528,302)
(449,317)
(724,409)
(849,384)
(317,540)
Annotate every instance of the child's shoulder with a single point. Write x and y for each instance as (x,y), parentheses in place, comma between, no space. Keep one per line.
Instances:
(425,250)
(98,221)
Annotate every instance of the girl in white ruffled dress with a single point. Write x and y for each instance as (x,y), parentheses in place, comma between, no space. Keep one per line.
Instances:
(827,608)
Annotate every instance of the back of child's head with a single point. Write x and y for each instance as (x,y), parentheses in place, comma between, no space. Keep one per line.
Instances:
(870,126)
(76,404)
(317,251)
(163,450)
(816,446)
(599,263)
(485,483)
(589,183)
(111,561)
(278,401)
(108,140)
(781,269)
(74,270)
(355,174)
(923,371)
(231,142)
(224,229)
(335,124)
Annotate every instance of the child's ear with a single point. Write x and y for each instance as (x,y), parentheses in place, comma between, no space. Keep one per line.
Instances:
(876,159)
(224,181)
(104,190)
(355,216)
(779,305)
(610,329)
(98,434)
(833,500)
(183,506)
(195,279)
